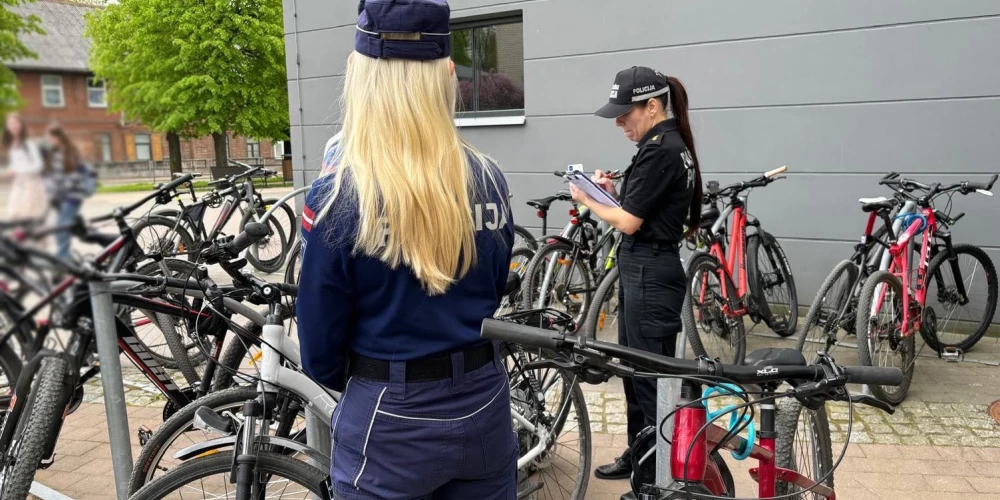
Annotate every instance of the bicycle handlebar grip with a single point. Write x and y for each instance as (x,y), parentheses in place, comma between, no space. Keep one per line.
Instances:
(780,170)
(174,184)
(253,233)
(873,375)
(520,334)
(287,289)
(993,181)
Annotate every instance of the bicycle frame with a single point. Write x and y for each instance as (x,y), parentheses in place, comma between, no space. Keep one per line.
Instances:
(900,251)
(694,466)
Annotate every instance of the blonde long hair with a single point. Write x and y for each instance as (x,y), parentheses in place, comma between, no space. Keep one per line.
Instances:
(408,168)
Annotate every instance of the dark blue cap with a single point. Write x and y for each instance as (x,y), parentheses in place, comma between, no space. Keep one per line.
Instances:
(430,18)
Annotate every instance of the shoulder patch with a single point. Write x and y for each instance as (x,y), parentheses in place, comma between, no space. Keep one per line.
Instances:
(656,140)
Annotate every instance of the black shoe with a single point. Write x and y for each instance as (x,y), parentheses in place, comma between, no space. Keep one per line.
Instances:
(620,469)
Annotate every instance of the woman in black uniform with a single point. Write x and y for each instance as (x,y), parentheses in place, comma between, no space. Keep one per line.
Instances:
(660,191)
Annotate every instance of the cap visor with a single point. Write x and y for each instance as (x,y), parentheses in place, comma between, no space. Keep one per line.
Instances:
(612,110)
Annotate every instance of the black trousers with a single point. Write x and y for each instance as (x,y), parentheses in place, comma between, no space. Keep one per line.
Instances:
(651,294)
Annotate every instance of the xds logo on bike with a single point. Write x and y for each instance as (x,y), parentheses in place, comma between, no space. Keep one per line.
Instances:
(767,372)
(151,363)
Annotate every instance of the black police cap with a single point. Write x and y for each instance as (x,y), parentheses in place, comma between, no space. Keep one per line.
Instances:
(631,86)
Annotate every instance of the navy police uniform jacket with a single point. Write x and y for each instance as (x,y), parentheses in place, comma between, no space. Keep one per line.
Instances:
(348,301)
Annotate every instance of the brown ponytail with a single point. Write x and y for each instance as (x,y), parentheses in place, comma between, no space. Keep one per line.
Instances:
(679,106)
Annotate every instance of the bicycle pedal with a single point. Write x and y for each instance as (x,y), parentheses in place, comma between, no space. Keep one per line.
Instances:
(952,354)
(47,462)
(144,435)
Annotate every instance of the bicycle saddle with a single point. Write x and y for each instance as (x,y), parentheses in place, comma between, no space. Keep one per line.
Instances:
(709,216)
(775,356)
(544,203)
(877,204)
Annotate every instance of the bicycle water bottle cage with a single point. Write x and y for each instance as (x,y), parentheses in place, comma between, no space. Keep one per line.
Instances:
(735,421)
(909,218)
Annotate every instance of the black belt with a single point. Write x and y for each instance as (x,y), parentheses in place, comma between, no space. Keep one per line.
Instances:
(420,370)
(670,246)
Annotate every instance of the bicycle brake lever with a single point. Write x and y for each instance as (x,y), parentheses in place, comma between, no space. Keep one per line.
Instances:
(874,402)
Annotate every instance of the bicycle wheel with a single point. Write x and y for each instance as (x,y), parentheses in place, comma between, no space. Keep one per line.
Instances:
(771,284)
(164,336)
(603,307)
(208,477)
(38,424)
(10,370)
(550,400)
(178,432)
(523,237)
(294,259)
(285,215)
(712,328)
(164,236)
(566,281)
(803,445)
(832,312)
(267,255)
(957,326)
(880,335)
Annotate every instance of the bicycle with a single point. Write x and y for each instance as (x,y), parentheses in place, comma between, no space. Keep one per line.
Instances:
(695,467)
(766,290)
(891,324)
(184,230)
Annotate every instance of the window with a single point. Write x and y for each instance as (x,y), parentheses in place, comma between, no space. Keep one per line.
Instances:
(253,148)
(97,95)
(278,149)
(52,91)
(489,63)
(143,148)
(104,141)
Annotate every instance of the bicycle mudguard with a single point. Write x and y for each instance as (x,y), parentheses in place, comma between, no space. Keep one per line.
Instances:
(280,445)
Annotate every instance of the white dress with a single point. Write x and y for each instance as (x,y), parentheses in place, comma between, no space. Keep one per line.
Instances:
(27,191)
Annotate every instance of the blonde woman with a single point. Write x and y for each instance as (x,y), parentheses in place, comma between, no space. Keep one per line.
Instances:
(406,248)
(27,191)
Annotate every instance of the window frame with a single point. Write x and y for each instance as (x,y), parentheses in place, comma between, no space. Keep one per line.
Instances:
(475,117)
(253,144)
(104,93)
(51,86)
(148,144)
(110,156)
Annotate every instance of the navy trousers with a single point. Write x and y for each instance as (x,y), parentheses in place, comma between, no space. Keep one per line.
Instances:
(449,439)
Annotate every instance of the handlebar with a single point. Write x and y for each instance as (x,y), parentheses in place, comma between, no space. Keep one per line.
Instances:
(549,339)
(780,170)
(904,187)
(735,189)
(252,233)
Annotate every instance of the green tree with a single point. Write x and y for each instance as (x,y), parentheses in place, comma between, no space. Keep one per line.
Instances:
(12,25)
(193,68)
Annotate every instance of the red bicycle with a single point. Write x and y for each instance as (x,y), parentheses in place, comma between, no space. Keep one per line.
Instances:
(696,467)
(893,304)
(715,306)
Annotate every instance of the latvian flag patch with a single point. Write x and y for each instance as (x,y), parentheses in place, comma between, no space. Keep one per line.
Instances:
(307,218)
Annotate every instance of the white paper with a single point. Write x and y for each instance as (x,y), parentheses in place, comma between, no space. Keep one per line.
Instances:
(583,183)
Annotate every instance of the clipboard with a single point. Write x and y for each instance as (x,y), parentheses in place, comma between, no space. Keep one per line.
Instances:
(582,182)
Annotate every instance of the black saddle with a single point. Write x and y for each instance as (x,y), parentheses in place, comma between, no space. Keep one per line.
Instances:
(544,203)
(773,356)
(709,216)
(877,204)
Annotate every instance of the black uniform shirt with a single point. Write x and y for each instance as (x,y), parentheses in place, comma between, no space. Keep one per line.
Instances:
(659,184)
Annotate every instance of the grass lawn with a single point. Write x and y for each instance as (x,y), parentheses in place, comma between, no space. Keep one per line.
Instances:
(198,186)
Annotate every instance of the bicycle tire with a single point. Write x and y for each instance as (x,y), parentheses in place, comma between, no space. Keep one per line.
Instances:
(519,260)
(789,412)
(528,295)
(268,464)
(273,264)
(38,424)
(935,266)
(285,215)
(174,339)
(186,244)
(293,261)
(775,255)
(817,312)
(10,367)
(734,326)
(864,336)
(150,459)
(606,292)
(525,235)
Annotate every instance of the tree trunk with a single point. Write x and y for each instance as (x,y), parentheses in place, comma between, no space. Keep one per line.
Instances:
(221,151)
(174,146)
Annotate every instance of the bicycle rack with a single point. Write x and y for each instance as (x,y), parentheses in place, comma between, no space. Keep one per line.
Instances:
(667,393)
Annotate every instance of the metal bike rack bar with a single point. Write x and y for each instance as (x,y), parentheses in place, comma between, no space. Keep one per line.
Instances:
(668,390)
(114,387)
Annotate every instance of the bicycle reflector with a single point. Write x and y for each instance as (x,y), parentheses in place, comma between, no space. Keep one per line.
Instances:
(541,214)
(573,212)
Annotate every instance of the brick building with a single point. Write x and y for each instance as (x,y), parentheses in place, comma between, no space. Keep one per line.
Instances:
(59,87)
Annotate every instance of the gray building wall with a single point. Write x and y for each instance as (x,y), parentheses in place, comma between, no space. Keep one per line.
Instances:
(841,92)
